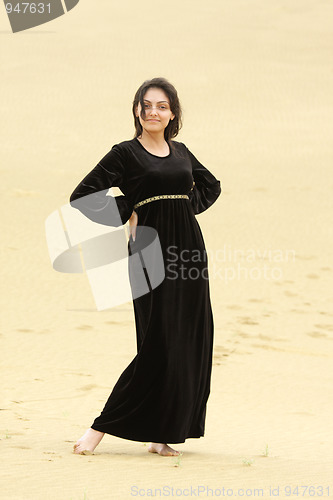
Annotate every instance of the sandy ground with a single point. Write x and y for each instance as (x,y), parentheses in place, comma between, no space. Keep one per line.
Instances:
(255,80)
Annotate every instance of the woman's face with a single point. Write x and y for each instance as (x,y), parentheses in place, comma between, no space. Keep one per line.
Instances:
(157,111)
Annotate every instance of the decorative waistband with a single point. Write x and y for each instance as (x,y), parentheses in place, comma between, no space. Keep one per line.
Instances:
(158,197)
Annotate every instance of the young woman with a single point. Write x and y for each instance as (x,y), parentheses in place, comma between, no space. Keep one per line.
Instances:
(161,396)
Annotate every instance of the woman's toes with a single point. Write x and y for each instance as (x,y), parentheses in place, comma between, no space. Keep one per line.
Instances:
(163,450)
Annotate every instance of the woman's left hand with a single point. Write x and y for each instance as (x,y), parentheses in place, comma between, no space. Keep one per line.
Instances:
(133,222)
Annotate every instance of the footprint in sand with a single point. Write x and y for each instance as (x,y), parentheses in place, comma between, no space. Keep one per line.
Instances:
(88,387)
(119,322)
(244,335)
(269,347)
(290,294)
(325,327)
(218,354)
(317,334)
(246,320)
(262,337)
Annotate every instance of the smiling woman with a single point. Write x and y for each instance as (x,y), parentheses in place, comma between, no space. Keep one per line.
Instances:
(162,395)
(155,112)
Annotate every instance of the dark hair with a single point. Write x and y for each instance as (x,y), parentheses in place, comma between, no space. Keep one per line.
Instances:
(162,83)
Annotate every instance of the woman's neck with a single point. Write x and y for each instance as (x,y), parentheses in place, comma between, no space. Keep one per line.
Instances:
(154,143)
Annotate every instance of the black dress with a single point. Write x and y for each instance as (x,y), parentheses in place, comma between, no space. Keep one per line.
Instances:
(161,396)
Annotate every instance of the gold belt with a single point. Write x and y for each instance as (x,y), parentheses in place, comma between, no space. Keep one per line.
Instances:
(158,197)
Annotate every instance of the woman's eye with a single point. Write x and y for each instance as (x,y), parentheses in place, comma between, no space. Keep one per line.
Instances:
(149,106)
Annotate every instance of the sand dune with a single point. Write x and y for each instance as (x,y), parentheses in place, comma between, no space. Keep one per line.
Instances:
(255,81)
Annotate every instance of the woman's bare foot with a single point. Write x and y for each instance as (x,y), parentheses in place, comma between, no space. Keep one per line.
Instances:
(88,442)
(162,449)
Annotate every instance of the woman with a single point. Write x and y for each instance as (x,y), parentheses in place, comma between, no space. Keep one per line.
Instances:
(161,396)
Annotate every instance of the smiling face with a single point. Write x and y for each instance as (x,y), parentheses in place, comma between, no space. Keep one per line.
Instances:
(157,111)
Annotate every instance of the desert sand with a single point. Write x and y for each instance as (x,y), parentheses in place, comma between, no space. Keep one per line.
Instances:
(255,81)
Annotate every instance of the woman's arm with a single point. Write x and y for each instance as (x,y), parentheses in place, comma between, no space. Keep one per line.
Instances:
(90,195)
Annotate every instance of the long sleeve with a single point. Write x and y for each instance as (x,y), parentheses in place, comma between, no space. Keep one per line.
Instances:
(206,189)
(90,196)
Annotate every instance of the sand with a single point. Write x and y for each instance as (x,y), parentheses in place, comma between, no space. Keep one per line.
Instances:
(255,80)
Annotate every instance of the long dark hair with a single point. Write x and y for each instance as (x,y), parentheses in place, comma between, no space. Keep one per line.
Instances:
(162,83)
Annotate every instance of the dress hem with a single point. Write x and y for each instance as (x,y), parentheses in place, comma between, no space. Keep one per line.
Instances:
(151,439)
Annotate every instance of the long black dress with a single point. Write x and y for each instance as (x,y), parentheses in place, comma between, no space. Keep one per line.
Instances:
(161,396)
